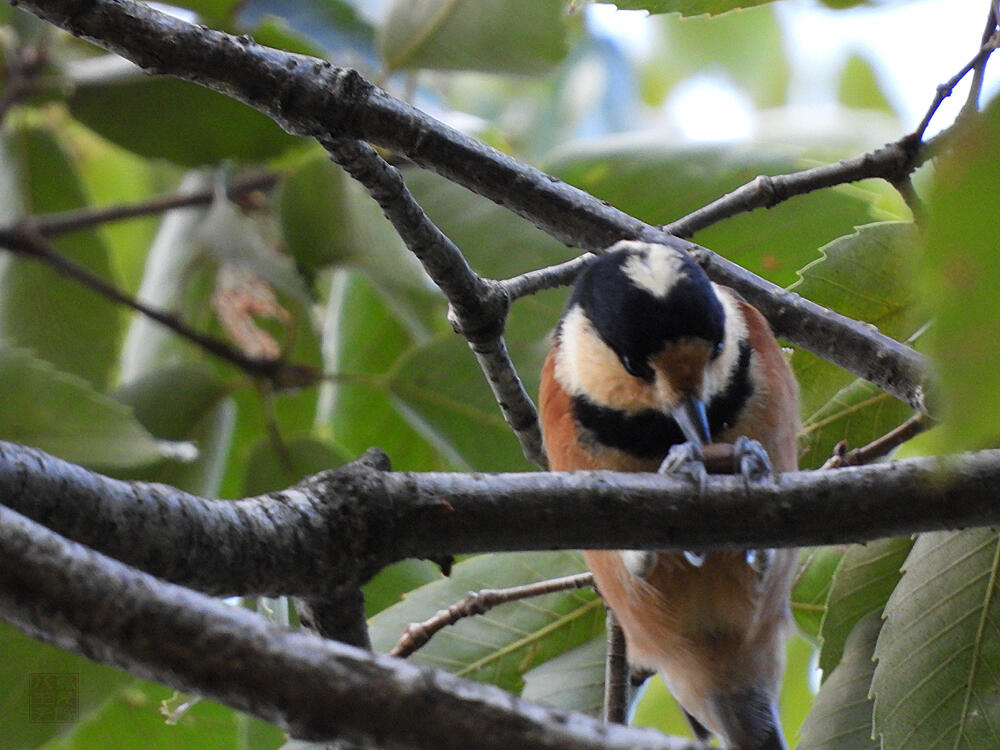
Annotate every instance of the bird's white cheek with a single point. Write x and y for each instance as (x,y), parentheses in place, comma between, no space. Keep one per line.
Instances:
(586,366)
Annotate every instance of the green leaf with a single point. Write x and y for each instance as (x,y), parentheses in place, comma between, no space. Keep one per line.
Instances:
(132,718)
(864,275)
(840,4)
(444,395)
(327,219)
(171,401)
(655,707)
(744,49)
(812,587)
(112,175)
(63,322)
(938,654)
(274,467)
(959,278)
(858,414)
(504,644)
(859,88)
(795,700)
(166,118)
(315,213)
(274,31)
(213,434)
(865,578)
(516,36)
(356,409)
(184,402)
(336,27)
(214,12)
(686,7)
(392,583)
(172,280)
(61,414)
(841,716)
(572,681)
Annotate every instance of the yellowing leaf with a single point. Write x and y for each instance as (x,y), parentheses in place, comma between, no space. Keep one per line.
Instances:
(62,414)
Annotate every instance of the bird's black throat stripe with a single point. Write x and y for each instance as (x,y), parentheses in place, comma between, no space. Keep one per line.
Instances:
(651,433)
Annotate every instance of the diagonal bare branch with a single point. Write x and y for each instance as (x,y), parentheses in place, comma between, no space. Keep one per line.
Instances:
(313,98)
(24,240)
(477,308)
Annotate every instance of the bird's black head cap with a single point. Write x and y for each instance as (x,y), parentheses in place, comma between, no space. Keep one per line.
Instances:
(641,297)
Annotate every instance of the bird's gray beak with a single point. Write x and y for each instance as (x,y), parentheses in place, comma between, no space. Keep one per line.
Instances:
(690,417)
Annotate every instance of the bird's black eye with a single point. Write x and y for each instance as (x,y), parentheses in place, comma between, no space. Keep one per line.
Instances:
(717,350)
(637,368)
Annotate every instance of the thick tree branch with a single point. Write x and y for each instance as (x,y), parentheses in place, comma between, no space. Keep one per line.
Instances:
(341,526)
(311,97)
(292,542)
(58,591)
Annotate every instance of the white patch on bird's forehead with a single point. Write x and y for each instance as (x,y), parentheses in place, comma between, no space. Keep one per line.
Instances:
(656,269)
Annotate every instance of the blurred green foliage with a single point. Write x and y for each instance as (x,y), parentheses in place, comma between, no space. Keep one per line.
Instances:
(335,290)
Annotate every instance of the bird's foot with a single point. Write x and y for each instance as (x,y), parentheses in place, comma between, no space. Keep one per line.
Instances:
(639,562)
(686,459)
(751,461)
(760,561)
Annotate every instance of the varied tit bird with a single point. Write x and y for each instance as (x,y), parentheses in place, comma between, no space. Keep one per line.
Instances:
(650,354)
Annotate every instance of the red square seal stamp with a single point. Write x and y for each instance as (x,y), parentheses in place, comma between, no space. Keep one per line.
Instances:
(53,698)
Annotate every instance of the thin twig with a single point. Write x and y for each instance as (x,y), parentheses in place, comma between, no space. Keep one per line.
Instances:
(549,277)
(616,673)
(22,240)
(23,64)
(893,162)
(478,603)
(904,186)
(979,74)
(889,162)
(52,225)
(879,447)
(945,89)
